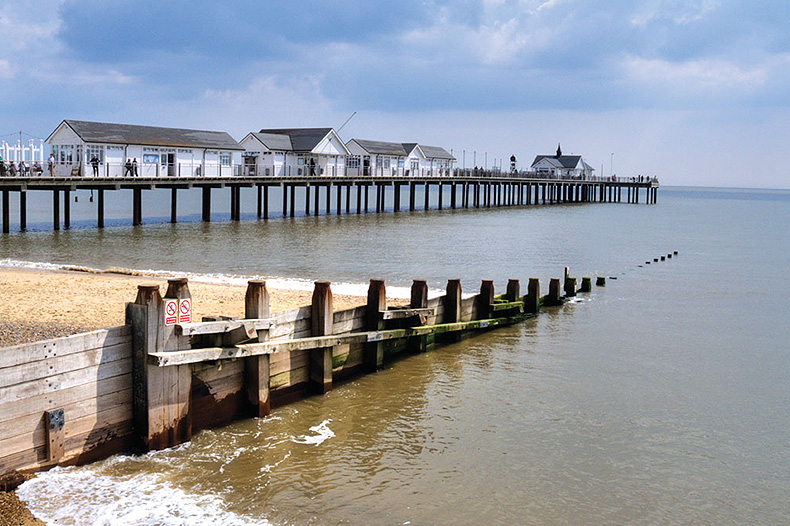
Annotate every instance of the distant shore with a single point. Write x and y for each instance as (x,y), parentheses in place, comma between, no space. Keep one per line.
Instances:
(43,304)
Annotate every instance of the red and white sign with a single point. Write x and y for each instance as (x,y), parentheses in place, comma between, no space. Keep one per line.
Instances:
(171,311)
(185,311)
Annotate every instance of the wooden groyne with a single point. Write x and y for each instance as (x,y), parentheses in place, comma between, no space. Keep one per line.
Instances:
(462,189)
(154,382)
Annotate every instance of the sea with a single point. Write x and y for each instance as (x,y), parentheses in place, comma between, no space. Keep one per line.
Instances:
(659,398)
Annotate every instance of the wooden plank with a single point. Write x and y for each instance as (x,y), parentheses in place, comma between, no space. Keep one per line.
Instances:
(55,365)
(288,361)
(400,314)
(89,375)
(289,378)
(43,350)
(26,423)
(211,372)
(221,327)
(287,323)
(65,397)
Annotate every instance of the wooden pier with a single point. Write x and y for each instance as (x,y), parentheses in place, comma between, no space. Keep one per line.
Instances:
(154,382)
(352,194)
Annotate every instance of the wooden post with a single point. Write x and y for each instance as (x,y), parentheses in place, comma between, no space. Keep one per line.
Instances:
(377,302)
(307,199)
(570,287)
(532,299)
(600,281)
(554,296)
(322,315)
(441,194)
(485,299)
(160,395)
(260,200)
(6,212)
(513,290)
(265,201)
(412,188)
(452,301)
(56,210)
(206,204)
(427,194)
(256,368)
(367,186)
(292,210)
(67,209)
(173,205)
(284,189)
(453,196)
(419,300)
(55,421)
(378,197)
(22,210)
(586,285)
(100,207)
(348,198)
(359,198)
(338,198)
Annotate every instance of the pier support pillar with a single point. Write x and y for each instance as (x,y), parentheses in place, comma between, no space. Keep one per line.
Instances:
(412,188)
(338,198)
(284,189)
(206,208)
(322,315)
(377,302)
(441,195)
(306,199)
(260,201)
(292,209)
(6,212)
(22,210)
(265,201)
(427,194)
(396,197)
(137,206)
(173,205)
(379,188)
(100,208)
(366,198)
(453,195)
(359,198)
(348,198)
(256,368)
(67,209)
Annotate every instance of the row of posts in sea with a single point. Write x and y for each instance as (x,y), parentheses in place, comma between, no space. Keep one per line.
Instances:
(351,194)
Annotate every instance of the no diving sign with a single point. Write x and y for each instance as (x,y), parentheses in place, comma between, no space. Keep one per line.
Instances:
(171,311)
(185,311)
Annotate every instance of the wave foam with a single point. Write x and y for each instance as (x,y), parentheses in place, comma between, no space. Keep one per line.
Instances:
(322,434)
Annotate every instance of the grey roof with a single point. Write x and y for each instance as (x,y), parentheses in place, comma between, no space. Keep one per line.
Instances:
(274,141)
(102,132)
(382,148)
(436,152)
(567,161)
(302,139)
(409,146)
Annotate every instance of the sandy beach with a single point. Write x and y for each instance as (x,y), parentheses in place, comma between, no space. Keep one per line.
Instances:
(36,305)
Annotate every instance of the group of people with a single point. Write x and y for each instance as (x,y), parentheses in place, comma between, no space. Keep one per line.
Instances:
(21,169)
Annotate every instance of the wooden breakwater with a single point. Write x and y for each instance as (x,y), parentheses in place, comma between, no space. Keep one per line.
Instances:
(160,378)
(463,189)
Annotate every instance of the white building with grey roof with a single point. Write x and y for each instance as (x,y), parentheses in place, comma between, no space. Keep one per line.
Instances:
(379,158)
(297,152)
(156,151)
(561,166)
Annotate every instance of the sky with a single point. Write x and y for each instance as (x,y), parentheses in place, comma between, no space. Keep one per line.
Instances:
(694,92)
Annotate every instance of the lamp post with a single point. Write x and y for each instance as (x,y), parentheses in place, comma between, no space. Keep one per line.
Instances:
(464,163)
(611,164)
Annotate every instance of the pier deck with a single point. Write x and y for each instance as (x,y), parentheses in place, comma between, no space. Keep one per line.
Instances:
(461,190)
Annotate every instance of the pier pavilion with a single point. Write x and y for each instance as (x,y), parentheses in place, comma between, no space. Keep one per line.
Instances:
(558,165)
(294,152)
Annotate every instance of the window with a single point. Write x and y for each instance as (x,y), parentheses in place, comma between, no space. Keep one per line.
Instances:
(150,158)
(66,153)
(224,158)
(183,150)
(352,161)
(96,150)
(400,162)
(150,149)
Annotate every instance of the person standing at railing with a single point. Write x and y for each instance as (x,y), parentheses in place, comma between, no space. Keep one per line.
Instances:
(51,165)
(134,167)
(95,165)
(127,168)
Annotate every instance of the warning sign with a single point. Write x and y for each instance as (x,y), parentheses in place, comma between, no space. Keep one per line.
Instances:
(185,311)
(171,311)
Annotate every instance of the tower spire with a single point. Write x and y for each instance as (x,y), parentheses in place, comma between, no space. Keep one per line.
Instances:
(559,151)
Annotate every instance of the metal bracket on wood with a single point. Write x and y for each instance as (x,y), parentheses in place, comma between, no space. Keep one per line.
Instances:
(56,421)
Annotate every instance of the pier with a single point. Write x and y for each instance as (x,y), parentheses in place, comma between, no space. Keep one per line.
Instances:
(462,188)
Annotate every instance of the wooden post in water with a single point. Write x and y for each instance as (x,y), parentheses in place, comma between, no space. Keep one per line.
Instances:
(322,315)
(22,210)
(206,204)
(532,299)
(67,209)
(419,300)
(173,205)
(485,299)
(513,290)
(553,297)
(570,287)
(452,310)
(6,214)
(586,285)
(600,281)
(256,368)
(373,353)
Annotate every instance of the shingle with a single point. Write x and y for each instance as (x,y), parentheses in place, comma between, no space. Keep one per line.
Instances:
(382,147)
(302,139)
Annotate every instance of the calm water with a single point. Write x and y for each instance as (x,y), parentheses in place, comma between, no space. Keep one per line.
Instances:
(659,399)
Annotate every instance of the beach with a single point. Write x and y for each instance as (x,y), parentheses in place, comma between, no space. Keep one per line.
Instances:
(38,305)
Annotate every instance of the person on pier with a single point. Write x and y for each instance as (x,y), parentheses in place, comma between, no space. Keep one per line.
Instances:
(134,166)
(127,168)
(51,165)
(95,165)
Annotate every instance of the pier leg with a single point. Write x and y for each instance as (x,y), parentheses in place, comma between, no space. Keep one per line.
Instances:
(427,194)
(412,188)
(66,209)
(100,207)
(306,200)
(22,210)
(284,190)
(321,325)
(377,302)
(359,198)
(260,201)
(265,202)
(206,204)
(6,213)
(317,200)
(453,195)
(292,210)
(338,198)
(366,198)
(378,197)
(348,198)
(233,198)
(396,197)
(441,195)
(173,205)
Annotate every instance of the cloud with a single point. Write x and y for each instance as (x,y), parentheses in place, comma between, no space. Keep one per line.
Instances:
(7,70)
(696,75)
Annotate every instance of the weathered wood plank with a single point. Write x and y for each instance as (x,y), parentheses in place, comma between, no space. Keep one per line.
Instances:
(43,350)
(289,378)
(282,362)
(221,327)
(406,313)
(28,372)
